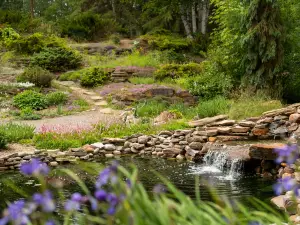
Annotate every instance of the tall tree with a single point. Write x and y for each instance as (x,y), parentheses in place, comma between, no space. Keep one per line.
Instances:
(263,44)
(32,8)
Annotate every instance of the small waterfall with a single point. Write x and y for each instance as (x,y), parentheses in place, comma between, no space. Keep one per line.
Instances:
(220,159)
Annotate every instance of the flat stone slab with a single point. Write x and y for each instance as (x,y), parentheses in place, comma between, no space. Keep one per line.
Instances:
(95,98)
(106,111)
(279,201)
(264,151)
(89,93)
(208,120)
(102,103)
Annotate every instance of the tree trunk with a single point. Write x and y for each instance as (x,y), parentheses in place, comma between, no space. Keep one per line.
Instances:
(205,16)
(200,12)
(194,19)
(185,23)
(113,5)
(32,8)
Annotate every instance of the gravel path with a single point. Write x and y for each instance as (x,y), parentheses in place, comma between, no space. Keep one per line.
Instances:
(16,148)
(83,119)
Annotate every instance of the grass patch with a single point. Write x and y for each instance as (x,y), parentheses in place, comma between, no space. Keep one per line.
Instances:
(212,107)
(151,59)
(246,107)
(16,132)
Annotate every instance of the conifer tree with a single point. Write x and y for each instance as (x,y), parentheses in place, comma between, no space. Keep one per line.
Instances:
(263,44)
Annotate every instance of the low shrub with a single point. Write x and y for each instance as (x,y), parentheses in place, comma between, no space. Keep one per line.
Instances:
(16,132)
(206,86)
(3,140)
(115,38)
(57,59)
(36,75)
(166,42)
(216,106)
(175,71)
(30,99)
(29,114)
(94,77)
(71,76)
(56,98)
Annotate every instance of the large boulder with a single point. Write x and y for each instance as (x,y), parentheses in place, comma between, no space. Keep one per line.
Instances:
(264,151)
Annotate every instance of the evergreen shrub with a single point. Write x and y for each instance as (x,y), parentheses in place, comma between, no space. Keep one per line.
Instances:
(57,59)
(94,77)
(175,71)
(36,75)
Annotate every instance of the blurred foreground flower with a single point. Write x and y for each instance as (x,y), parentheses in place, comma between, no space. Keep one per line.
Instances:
(288,154)
(34,167)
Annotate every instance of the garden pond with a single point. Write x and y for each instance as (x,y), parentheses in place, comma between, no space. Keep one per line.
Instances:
(234,186)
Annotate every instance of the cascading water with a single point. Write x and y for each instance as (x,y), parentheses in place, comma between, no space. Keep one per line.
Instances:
(220,160)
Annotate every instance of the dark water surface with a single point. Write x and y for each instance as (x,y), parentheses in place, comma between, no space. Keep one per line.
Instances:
(239,187)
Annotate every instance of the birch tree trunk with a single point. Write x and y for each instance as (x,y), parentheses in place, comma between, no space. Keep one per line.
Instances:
(194,19)
(113,5)
(185,22)
(200,12)
(205,15)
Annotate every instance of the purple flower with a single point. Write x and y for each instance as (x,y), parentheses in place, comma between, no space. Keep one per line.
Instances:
(45,201)
(50,222)
(101,195)
(159,189)
(285,184)
(34,167)
(108,174)
(111,210)
(287,153)
(74,203)
(16,214)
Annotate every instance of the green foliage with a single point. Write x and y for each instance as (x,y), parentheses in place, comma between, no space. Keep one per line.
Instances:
(115,38)
(29,114)
(291,88)
(94,77)
(88,26)
(30,99)
(56,98)
(151,108)
(16,132)
(3,140)
(175,71)
(166,42)
(57,59)
(36,75)
(81,103)
(264,45)
(215,106)
(210,83)
(8,35)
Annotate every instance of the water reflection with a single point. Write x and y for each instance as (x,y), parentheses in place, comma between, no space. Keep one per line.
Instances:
(181,174)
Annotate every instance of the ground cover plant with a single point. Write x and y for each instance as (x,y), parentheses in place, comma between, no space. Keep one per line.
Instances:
(14,133)
(118,197)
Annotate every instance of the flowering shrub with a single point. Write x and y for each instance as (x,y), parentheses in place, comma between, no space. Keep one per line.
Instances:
(118,198)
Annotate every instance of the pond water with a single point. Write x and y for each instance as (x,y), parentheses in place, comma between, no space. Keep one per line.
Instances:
(234,186)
